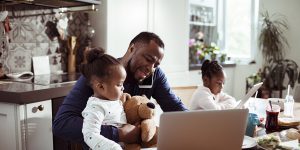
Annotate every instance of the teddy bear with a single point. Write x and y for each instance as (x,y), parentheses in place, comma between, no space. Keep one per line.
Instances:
(140,110)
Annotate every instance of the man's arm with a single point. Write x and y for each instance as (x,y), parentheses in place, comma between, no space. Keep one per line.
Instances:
(163,94)
(68,120)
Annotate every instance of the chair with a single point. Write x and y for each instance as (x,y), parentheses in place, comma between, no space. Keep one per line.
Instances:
(184,93)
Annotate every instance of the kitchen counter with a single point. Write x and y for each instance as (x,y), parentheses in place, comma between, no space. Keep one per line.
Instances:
(29,91)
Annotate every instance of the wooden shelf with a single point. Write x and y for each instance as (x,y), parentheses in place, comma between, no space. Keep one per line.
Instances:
(198,66)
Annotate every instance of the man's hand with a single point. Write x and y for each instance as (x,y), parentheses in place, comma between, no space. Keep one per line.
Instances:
(130,133)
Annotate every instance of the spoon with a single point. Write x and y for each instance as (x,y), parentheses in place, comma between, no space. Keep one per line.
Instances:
(270,105)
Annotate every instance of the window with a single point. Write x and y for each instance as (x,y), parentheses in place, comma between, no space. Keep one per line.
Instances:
(240,28)
(220,29)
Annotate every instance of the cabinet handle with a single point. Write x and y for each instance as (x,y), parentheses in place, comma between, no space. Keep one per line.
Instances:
(38,108)
(3,114)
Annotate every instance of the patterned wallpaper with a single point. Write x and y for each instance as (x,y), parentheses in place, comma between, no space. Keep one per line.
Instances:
(28,37)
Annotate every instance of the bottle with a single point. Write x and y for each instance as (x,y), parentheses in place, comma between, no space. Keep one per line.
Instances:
(289,106)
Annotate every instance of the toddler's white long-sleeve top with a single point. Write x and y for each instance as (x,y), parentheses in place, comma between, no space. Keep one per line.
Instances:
(101,112)
(202,98)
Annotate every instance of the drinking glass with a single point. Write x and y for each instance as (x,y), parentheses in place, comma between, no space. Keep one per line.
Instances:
(272,118)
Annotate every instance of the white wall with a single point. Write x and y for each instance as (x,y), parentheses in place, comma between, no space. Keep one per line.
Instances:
(290,9)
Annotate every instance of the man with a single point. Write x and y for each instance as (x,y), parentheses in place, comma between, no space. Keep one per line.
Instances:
(141,62)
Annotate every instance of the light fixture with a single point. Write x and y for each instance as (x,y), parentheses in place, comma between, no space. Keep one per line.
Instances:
(90,30)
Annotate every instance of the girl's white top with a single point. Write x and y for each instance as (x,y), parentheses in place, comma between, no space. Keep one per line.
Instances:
(202,98)
(101,112)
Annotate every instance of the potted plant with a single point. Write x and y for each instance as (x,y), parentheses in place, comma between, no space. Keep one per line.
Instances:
(277,71)
(278,74)
(199,51)
(272,41)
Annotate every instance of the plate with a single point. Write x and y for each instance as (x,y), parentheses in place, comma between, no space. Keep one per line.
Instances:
(294,134)
(248,142)
(268,141)
(288,122)
(261,148)
(283,135)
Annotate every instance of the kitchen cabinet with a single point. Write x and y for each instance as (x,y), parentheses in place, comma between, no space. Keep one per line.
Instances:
(203,20)
(117,22)
(37,123)
(170,22)
(203,12)
(26,127)
(26,112)
(9,127)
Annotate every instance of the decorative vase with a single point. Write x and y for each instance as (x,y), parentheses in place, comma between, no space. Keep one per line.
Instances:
(275,94)
(71,54)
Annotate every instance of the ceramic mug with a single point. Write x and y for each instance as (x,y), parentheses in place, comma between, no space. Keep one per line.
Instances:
(253,121)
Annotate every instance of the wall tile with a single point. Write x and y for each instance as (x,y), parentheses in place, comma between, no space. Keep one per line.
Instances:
(28,39)
(19,57)
(23,30)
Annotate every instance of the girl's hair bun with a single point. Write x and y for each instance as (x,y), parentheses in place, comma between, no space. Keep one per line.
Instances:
(94,54)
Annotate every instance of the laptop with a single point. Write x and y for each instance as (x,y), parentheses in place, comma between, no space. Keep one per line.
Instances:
(241,103)
(207,130)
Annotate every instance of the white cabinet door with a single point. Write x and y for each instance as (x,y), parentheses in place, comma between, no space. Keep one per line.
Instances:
(117,22)
(38,125)
(125,19)
(171,24)
(9,129)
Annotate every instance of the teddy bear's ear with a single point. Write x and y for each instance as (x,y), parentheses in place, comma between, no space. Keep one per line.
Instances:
(125,97)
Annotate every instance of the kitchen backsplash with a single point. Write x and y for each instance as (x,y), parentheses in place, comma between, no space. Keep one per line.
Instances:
(29,36)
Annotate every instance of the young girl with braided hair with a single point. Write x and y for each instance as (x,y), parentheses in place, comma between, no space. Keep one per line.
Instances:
(210,95)
(106,76)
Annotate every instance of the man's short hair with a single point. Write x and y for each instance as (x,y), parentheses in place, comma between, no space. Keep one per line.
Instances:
(146,37)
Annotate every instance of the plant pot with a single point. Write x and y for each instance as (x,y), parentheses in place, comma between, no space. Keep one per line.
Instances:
(275,94)
(223,58)
(213,57)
